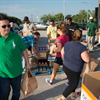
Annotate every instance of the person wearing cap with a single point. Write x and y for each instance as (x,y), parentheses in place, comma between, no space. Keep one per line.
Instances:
(28,26)
(91,27)
(28,29)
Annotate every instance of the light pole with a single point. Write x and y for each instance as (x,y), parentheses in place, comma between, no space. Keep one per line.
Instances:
(87,10)
(37,18)
(64,10)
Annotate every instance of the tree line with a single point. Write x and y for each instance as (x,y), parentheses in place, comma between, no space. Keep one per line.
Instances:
(81,17)
(12,19)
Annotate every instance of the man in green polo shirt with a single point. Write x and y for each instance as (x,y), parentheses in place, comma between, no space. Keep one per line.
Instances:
(11,69)
(91,27)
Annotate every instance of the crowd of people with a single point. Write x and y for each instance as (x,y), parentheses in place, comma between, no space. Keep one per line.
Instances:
(69,52)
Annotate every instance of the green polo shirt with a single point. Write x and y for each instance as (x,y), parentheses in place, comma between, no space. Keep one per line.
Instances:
(92,27)
(10,55)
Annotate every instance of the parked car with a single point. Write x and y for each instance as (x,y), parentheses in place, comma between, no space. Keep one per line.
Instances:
(41,25)
(81,26)
(20,27)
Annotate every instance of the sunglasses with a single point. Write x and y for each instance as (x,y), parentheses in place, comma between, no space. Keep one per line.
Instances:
(4,26)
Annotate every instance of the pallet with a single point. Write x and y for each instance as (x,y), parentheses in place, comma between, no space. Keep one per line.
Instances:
(44,70)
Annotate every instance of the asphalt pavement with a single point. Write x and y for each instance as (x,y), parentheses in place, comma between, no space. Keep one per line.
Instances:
(47,92)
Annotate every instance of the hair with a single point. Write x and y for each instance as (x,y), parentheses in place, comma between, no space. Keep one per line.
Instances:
(25,18)
(63,28)
(2,17)
(76,35)
(52,20)
(37,33)
(69,19)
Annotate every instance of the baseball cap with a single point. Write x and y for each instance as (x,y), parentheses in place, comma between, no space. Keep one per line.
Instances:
(25,18)
(91,17)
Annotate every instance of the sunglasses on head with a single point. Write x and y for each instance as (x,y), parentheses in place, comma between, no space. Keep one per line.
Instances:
(4,26)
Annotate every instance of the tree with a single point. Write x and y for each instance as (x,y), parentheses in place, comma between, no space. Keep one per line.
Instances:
(3,14)
(76,18)
(12,19)
(59,17)
(45,18)
(68,16)
(73,16)
(82,16)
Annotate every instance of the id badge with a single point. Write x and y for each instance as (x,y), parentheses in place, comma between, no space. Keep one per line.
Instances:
(53,30)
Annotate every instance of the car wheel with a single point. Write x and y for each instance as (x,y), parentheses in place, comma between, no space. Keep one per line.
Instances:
(46,28)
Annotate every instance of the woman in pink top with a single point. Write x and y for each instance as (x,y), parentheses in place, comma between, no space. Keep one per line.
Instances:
(60,41)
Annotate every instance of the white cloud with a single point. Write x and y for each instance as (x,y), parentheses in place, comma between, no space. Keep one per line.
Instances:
(34,9)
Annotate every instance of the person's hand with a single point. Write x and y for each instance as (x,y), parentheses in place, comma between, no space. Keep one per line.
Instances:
(31,31)
(50,52)
(28,67)
(36,45)
(94,34)
(48,40)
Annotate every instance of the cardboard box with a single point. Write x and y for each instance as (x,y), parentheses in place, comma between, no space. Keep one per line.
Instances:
(90,89)
(42,48)
(44,55)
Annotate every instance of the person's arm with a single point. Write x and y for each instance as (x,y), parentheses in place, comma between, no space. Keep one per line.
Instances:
(48,34)
(33,30)
(85,56)
(59,47)
(62,53)
(87,29)
(27,59)
(36,52)
(49,38)
(96,30)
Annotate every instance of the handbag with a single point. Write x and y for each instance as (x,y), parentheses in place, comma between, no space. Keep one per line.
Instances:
(29,83)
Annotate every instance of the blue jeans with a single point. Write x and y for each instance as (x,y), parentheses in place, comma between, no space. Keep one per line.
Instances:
(5,87)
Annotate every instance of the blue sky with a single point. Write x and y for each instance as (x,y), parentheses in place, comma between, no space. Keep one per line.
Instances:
(34,8)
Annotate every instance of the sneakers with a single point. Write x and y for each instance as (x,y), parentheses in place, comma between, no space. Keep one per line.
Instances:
(60,98)
(64,74)
(48,81)
(76,95)
(67,84)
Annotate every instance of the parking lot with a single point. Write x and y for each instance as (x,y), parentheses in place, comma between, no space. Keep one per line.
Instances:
(46,92)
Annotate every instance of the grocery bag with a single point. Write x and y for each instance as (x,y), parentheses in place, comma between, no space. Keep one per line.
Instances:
(29,83)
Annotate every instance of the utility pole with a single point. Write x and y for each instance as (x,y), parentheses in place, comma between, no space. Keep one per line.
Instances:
(87,10)
(64,10)
(31,18)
